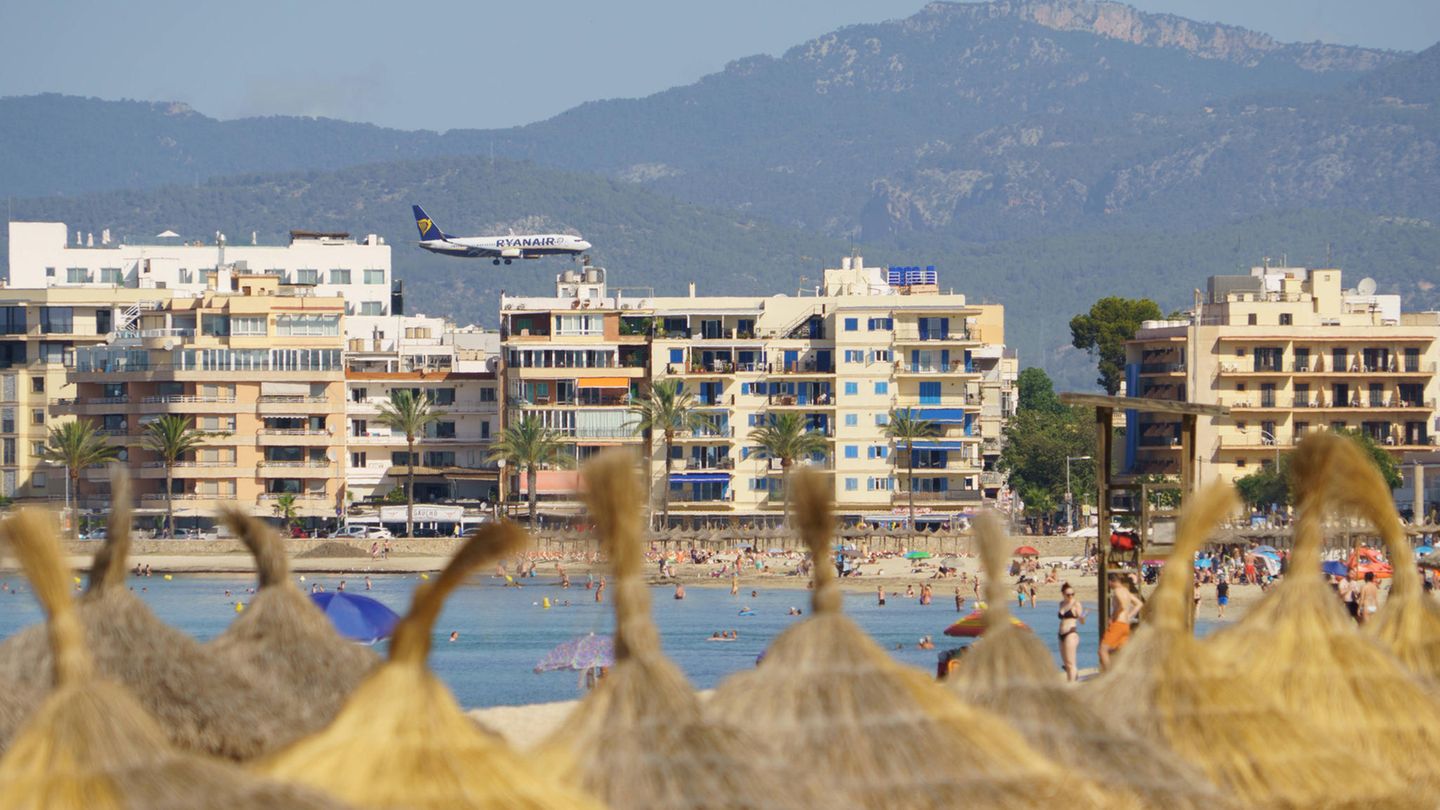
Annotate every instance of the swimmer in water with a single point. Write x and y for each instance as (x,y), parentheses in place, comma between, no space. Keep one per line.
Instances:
(454,636)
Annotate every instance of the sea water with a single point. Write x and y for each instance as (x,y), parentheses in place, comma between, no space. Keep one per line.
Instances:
(504,632)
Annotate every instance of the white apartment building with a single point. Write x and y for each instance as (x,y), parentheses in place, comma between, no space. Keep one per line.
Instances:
(43,255)
(866,342)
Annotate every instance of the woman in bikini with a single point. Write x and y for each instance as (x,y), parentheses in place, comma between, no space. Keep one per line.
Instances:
(1072,615)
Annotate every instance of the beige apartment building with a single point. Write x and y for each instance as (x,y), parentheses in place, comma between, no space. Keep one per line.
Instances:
(260,371)
(864,343)
(1289,350)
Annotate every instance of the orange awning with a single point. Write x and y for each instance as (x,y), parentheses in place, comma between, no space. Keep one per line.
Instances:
(602,382)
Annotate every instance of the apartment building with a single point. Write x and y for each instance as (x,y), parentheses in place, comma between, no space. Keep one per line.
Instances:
(324,264)
(456,370)
(1289,350)
(865,342)
(40,331)
(260,371)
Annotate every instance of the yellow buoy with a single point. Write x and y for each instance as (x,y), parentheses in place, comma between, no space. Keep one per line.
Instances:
(77,580)
(545,603)
(239,607)
(168,577)
(424,576)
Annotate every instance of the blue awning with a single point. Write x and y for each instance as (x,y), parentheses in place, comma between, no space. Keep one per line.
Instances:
(934,444)
(941,415)
(700,478)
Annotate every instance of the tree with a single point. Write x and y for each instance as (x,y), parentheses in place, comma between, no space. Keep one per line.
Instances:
(667,409)
(907,429)
(77,445)
(1267,487)
(1037,442)
(285,510)
(1104,330)
(528,446)
(787,438)
(409,413)
(1389,468)
(171,437)
(1037,392)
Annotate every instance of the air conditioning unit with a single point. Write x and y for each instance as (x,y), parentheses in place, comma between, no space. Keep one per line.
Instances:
(776,464)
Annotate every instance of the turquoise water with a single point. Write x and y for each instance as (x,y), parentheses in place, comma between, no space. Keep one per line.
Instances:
(505,631)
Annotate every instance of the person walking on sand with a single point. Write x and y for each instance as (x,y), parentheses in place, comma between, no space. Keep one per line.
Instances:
(1072,615)
(1222,595)
(1124,608)
(1369,599)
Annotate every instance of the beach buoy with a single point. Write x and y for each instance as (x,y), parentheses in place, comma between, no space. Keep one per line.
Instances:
(302,577)
(545,603)
(239,607)
(424,576)
(77,580)
(168,577)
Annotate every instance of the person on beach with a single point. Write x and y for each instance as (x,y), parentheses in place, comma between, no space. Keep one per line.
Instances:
(1033,592)
(1349,593)
(374,549)
(925,594)
(1369,598)
(368,584)
(1020,594)
(735,584)
(959,601)
(880,595)
(341,586)
(1072,615)
(600,591)
(909,591)
(1222,595)
(1124,608)
(454,636)
(679,591)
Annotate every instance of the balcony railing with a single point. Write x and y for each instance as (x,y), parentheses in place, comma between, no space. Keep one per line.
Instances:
(271,398)
(913,334)
(187,398)
(953,495)
(292,432)
(314,465)
(956,367)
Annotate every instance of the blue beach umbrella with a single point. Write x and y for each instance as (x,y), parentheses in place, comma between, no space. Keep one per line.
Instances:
(358,618)
(1426,549)
(1335,568)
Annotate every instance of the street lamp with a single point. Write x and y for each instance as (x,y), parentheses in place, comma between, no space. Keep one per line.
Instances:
(1265,436)
(1070,499)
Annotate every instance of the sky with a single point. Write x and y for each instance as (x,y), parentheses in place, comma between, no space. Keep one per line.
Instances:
(463,63)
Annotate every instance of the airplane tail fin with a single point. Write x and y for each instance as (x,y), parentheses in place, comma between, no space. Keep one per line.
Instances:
(428,229)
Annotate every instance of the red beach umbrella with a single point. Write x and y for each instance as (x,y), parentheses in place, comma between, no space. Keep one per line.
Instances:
(1026,551)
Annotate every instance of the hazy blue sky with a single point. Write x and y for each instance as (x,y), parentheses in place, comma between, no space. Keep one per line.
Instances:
(467,63)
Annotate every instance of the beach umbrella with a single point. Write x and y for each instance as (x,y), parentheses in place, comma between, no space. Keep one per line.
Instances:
(1420,550)
(283,639)
(90,744)
(1299,639)
(828,701)
(358,618)
(1167,687)
(202,701)
(1026,551)
(639,739)
(1011,672)
(577,655)
(974,624)
(1334,568)
(401,740)
(917,555)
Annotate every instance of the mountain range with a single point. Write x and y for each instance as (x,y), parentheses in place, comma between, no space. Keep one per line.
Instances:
(1042,152)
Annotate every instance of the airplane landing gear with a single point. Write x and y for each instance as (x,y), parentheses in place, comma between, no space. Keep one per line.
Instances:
(495,261)
(507,261)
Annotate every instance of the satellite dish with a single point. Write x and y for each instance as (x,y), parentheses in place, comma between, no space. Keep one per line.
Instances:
(1366,286)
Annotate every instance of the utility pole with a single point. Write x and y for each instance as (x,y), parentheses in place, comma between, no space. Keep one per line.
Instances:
(1069,498)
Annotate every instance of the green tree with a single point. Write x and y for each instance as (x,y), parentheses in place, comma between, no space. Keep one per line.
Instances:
(171,437)
(529,446)
(1037,443)
(284,507)
(409,413)
(1104,330)
(1389,468)
(787,438)
(77,445)
(1036,391)
(907,429)
(1267,487)
(667,409)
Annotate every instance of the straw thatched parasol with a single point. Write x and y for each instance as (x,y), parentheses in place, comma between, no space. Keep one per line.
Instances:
(90,744)
(1299,639)
(639,739)
(1011,672)
(202,702)
(830,702)
(1409,622)
(283,639)
(401,740)
(1170,689)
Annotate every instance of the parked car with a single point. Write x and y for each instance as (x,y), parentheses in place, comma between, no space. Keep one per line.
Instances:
(191,534)
(93,534)
(355,531)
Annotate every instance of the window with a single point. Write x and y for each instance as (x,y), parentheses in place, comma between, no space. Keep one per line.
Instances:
(307,325)
(852,420)
(77,275)
(877,451)
(400,458)
(852,388)
(308,276)
(852,451)
(57,320)
(485,429)
(7,420)
(854,355)
(677,356)
(759,484)
(215,325)
(103,321)
(882,388)
(111,275)
(12,320)
(37,449)
(374,276)
(852,324)
(881,324)
(247,325)
(852,484)
(339,276)
(372,308)
(56,352)
(39,479)
(1286,319)
(883,356)
(37,416)
(37,385)
(9,445)
(930,393)
(49,272)
(487,394)
(186,276)
(882,419)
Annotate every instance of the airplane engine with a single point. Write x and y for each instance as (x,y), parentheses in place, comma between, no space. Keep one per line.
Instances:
(511,253)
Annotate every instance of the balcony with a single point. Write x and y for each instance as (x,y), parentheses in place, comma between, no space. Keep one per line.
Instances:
(711,435)
(931,369)
(902,496)
(1162,368)
(910,334)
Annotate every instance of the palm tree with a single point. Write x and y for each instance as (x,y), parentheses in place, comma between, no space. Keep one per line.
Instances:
(170,437)
(286,511)
(906,429)
(409,413)
(667,409)
(528,446)
(77,445)
(787,438)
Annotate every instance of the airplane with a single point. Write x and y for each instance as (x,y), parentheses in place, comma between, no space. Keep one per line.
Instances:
(498,248)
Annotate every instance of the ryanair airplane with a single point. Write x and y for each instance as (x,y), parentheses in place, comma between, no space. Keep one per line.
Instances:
(498,248)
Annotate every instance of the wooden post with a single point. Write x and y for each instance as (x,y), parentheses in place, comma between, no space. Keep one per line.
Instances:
(1188,454)
(1104,429)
